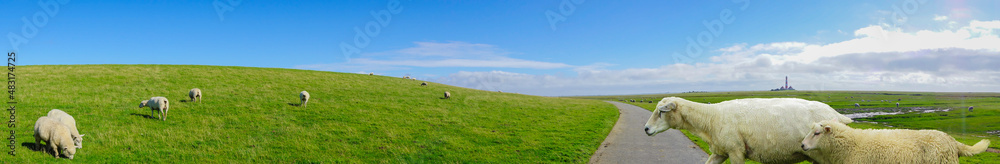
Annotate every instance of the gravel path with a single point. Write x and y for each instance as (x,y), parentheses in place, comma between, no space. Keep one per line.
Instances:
(627,142)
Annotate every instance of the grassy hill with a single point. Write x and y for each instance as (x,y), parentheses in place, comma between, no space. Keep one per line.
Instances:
(967,127)
(251,115)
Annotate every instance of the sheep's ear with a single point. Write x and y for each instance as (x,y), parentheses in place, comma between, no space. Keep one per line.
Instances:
(81,135)
(666,108)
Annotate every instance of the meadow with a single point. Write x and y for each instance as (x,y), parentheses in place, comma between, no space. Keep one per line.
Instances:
(967,127)
(252,115)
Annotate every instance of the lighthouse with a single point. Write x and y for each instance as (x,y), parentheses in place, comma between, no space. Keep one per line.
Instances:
(786,82)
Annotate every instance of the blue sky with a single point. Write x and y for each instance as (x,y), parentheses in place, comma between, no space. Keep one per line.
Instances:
(600,47)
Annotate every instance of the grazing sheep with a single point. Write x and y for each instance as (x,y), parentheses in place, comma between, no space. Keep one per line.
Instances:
(423,84)
(157,104)
(856,105)
(371,73)
(763,130)
(835,142)
(447,94)
(414,79)
(195,94)
(66,119)
(897,104)
(304,97)
(56,135)
(970,108)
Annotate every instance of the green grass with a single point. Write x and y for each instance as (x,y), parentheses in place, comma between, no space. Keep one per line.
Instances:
(966,127)
(249,115)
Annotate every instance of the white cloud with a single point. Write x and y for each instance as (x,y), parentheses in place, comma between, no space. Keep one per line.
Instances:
(433,54)
(940,17)
(879,58)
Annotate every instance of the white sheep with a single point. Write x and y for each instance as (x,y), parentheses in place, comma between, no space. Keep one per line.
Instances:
(66,119)
(835,142)
(157,104)
(856,105)
(897,104)
(371,73)
(56,135)
(195,94)
(763,130)
(447,94)
(304,98)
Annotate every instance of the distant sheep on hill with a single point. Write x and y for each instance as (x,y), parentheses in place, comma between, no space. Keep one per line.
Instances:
(447,94)
(195,94)
(423,84)
(304,98)
(835,142)
(856,105)
(372,73)
(157,104)
(897,104)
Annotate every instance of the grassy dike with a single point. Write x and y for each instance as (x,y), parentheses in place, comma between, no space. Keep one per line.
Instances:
(249,115)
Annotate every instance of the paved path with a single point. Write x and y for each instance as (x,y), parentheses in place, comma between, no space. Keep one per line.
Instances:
(627,142)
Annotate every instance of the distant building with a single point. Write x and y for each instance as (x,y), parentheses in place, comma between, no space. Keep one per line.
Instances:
(786,87)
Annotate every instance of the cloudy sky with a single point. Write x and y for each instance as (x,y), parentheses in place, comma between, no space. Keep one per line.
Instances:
(549,48)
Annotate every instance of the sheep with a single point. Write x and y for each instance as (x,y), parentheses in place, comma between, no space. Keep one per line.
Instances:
(423,84)
(157,104)
(447,94)
(897,104)
(856,105)
(970,108)
(371,73)
(763,130)
(304,97)
(66,119)
(195,94)
(835,142)
(56,135)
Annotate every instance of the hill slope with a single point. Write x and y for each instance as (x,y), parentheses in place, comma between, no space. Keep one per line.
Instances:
(251,115)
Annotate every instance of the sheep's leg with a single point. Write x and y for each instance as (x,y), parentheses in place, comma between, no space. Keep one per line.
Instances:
(716,159)
(55,150)
(736,158)
(38,143)
(165,111)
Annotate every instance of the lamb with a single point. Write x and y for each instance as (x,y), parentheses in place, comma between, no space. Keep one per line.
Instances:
(70,123)
(304,97)
(835,142)
(763,130)
(157,104)
(447,94)
(56,135)
(195,94)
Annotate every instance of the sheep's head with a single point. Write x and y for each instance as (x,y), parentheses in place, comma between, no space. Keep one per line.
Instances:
(78,141)
(69,151)
(818,131)
(662,115)
(143,103)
